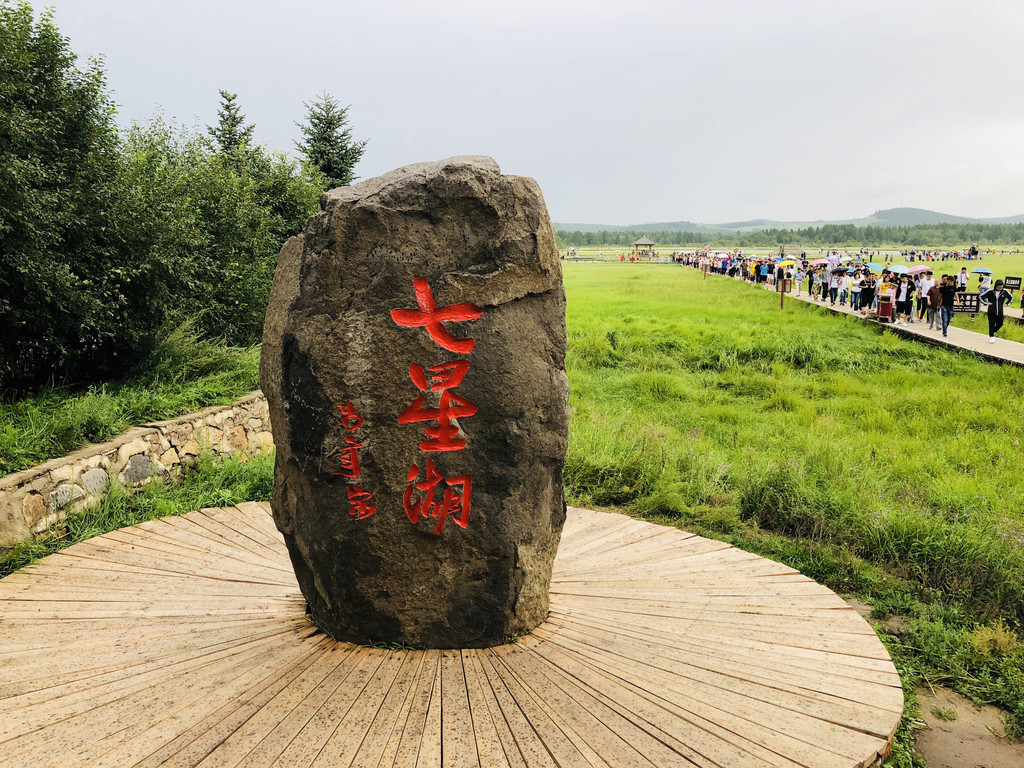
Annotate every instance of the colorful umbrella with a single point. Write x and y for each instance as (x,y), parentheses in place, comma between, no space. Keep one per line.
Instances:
(872,265)
(899,269)
(918,269)
(982,271)
(787,263)
(844,259)
(819,262)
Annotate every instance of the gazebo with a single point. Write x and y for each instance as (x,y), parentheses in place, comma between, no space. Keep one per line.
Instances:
(643,245)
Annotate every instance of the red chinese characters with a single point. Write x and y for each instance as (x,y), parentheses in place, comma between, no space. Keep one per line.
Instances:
(444,378)
(442,435)
(454,503)
(431,318)
(358,499)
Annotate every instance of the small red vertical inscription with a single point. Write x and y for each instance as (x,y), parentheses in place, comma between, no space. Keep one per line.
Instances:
(348,457)
(359,502)
(419,498)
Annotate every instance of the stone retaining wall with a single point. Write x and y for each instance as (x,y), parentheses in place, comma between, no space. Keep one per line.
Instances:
(36,500)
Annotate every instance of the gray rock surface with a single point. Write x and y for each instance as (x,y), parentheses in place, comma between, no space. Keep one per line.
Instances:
(65,494)
(94,480)
(346,356)
(138,469)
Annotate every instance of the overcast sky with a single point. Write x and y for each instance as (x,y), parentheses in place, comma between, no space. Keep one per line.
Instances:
(625,112)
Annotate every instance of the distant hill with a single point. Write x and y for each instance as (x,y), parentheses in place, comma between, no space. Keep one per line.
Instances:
(891,217)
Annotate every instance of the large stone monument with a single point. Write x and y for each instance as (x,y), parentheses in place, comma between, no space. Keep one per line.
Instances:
(413,360)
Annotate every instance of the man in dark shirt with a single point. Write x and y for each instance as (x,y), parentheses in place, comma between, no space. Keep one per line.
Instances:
(996,297)
(948,289)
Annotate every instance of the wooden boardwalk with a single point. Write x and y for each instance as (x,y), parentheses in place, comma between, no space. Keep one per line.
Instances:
(183,642)
(1001,351)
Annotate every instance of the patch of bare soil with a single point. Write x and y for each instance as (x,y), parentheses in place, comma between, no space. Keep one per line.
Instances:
(895,625)
(975,739)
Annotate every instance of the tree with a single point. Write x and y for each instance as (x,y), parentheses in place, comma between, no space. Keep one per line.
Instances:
(230,133)
(58,159)
(328,143)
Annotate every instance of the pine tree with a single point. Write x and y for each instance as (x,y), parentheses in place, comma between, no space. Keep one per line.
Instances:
(230,133)
(327,141)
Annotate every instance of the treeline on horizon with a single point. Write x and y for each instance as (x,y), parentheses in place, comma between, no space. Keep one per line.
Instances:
(917,236)
(110,239)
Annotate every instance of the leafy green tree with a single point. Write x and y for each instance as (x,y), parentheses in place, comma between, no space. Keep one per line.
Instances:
(210,231)
(327,141)
(58,157)
(231,133)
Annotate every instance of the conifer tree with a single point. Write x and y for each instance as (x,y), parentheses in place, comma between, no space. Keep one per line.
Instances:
(230,133)
(327,141)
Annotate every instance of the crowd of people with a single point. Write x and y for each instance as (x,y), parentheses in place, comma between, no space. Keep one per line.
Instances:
(916,295)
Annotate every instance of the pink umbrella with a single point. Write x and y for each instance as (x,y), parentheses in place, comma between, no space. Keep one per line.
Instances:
(919,269)
(819,262)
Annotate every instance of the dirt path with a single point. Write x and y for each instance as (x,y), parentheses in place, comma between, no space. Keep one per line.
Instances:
(975,739)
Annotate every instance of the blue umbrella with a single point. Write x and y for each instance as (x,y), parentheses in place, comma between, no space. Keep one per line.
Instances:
(899,269)
(872,265)
(982,271)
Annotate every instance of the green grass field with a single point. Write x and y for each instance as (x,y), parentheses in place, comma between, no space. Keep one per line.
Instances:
(1000,264)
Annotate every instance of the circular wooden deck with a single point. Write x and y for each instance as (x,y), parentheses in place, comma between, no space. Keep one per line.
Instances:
(183,642)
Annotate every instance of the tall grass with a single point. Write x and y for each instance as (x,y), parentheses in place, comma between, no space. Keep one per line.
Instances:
(691,394)
(183,373)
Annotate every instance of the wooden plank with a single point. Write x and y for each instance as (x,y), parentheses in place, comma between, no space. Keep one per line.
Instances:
(490,733)
(415,726)
(458,742)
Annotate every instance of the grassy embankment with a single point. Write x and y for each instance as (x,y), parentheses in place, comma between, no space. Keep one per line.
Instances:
(880,467)
(883,468)
(182,375)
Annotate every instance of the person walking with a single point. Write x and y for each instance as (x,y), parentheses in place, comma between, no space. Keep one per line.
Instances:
(933,301)
(867,294)
(904,301)
(995,298)
(833,288)
(961,280)
(855,292)
(948,289)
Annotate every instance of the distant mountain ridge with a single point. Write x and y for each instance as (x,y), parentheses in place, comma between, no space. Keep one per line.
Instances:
(890,217)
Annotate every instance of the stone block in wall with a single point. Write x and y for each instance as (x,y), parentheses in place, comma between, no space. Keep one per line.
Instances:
(264,441)
(237,440)
(33,507)
(62,474)
(210,437)
(135,441)
(138,469)
(180,434)
(191,448)
(13,527)
(94,481)
(65,494)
